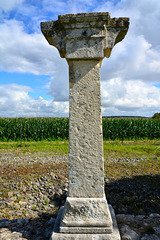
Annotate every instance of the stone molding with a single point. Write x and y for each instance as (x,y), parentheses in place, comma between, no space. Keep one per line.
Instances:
(85,35)
(87,213)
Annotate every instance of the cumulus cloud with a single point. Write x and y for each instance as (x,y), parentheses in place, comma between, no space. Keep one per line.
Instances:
(68,6)
(8,5)
(133,59)
(15,101)
(133,96)
(145,16)
(59,84)
(31,53)
(24,52)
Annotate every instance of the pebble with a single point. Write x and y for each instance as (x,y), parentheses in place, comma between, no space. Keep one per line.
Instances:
(136,227)
(128,234)
(150,237)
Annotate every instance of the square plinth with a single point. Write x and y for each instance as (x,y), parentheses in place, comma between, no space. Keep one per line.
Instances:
(99,235)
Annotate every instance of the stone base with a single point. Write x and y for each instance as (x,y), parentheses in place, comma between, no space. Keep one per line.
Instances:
(56,235)
(89,214)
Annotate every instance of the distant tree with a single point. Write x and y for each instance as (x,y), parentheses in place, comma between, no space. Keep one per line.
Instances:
(156,116)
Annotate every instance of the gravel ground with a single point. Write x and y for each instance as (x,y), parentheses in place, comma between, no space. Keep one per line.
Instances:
(29,206)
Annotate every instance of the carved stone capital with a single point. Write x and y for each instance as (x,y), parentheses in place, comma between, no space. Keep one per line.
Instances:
(85,35)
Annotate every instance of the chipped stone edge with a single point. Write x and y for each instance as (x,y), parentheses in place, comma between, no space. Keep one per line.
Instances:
(56,235)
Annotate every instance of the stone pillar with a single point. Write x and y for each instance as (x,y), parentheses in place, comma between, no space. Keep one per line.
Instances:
(84,40)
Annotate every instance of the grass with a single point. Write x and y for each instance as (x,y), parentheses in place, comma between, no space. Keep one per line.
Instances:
(56,147)
(146,152)
(132,149)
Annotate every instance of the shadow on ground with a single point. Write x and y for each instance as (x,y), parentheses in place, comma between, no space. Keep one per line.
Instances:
(28,229)
(32,229)
(136,195)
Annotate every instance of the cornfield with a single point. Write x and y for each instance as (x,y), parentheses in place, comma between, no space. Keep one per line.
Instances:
(37,129)
(33,129)
(129,129)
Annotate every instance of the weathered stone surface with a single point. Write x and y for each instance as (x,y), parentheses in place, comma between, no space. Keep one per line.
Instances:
(86,175)
(56,235)
(85,35)
(86,230)
(86,212)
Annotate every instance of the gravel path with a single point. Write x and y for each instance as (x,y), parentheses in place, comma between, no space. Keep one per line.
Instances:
(32,203)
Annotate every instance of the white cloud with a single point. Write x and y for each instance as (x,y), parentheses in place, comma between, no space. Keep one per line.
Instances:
(59,85)
(24,52)
(8,5)
(134,58)
(68,6)
(146,17)
(54,6)
(128,98)
(15,101)
(12,96)
(32,53)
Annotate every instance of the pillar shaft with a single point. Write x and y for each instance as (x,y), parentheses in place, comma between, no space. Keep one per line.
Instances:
(86,174)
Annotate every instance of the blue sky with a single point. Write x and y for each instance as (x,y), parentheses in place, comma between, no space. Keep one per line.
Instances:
(34,79)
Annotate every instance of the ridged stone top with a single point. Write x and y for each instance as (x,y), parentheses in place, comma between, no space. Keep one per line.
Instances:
(80,17)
